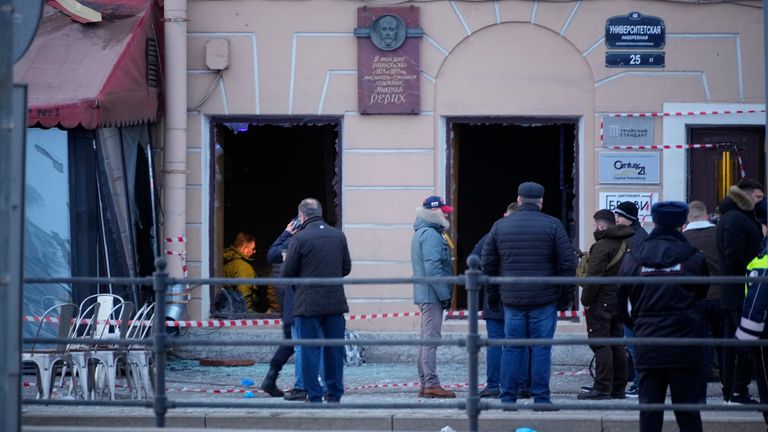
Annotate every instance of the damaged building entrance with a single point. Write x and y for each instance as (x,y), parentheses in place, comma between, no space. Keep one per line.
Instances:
(489,158)
(263,169)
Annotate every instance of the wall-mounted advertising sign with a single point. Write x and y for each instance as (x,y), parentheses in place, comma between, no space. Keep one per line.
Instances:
(629,168)
(635,30)
(643,200)
(627,131)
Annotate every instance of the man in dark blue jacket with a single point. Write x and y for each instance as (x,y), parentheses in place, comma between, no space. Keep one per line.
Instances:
(667,310)
(494,326)
(319,250)
(755,311)
(528,243)
(276,256)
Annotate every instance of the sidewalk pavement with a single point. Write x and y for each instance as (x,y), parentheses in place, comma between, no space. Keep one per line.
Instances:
(370,383)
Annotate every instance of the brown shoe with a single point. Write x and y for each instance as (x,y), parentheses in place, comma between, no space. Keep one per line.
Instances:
(421,391)
(437,392)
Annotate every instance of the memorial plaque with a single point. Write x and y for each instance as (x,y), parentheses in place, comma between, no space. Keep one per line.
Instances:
(388,60)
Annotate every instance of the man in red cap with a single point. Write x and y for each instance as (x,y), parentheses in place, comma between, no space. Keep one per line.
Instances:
(431,257)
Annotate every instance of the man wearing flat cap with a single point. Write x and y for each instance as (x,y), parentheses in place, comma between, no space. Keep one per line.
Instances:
(528,243)
(667,310)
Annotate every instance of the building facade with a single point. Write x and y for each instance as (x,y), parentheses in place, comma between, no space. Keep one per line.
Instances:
(503,92)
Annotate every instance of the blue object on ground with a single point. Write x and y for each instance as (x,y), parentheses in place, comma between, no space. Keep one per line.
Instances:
(246,382)
(525,429)
(249,394)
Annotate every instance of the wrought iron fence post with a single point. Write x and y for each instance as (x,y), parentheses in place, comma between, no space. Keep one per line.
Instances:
(160,282)
(473,340)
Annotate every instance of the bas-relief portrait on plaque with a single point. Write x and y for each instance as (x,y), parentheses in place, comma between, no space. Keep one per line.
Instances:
(388,63)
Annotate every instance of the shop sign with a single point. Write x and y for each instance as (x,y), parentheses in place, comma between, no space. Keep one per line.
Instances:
(388,60)
(629,168)
(627,131)
(635,30)
(643,200)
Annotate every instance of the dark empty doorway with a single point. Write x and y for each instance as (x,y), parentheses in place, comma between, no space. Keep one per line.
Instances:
(263,169)
(488,159)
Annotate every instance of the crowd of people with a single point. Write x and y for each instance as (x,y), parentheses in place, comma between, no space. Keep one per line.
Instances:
(685,241)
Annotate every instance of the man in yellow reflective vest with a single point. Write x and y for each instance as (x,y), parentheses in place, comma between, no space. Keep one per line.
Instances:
(753,316)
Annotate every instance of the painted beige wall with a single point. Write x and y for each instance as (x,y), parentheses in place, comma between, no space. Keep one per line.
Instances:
(502,58)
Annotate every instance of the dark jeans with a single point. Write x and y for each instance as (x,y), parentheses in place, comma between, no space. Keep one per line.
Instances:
(537,323)
(610,361)
(736,370)
(329,326)
(760,356)
(495,329)
(713,316)
(631,368)
(653,389)
(284,352)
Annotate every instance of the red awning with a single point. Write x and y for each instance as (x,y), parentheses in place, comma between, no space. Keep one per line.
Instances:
(94,75)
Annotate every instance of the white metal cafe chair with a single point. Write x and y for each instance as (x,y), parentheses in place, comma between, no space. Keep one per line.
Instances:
(106,357)
(78,354)
(140,356)
(45,358)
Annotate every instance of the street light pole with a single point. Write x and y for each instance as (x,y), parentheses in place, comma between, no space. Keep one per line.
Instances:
(9,370)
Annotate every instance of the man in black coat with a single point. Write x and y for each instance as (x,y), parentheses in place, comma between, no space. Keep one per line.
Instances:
(319,250)
(528,243)
(666,310)
(627,213)
(701,233)
(738,242)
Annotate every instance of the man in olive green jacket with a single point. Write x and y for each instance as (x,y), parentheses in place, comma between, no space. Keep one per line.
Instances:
(237,264)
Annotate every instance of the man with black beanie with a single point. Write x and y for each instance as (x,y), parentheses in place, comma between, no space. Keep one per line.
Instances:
(627,214)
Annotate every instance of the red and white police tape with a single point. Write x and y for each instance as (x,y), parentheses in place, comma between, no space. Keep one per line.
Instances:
(683,113)
(278,322)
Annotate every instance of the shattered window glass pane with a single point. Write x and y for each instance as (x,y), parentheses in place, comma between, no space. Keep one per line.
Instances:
(46,224)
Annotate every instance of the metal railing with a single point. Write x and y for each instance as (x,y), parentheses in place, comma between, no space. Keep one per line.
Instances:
(472,342)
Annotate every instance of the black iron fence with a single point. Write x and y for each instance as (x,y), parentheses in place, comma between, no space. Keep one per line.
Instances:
(473,341)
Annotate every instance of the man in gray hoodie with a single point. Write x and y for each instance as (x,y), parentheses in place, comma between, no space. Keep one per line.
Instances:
(431,257)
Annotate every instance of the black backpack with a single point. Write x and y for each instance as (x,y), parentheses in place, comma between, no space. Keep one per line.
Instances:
(229,302)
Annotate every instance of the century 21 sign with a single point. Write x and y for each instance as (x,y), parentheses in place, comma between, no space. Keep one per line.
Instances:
(629,168)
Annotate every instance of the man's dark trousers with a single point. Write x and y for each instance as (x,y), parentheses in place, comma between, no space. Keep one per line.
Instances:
(284,352)
(610,360)
(736,370)
(684,390)
(330,326)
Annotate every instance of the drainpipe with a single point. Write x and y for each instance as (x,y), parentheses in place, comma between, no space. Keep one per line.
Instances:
(175,154)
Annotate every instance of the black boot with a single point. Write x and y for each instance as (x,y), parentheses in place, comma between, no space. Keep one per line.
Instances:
(269,385)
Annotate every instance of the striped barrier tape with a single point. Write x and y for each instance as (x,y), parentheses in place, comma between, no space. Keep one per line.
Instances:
(182,254)
(683,113)
(278,322)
